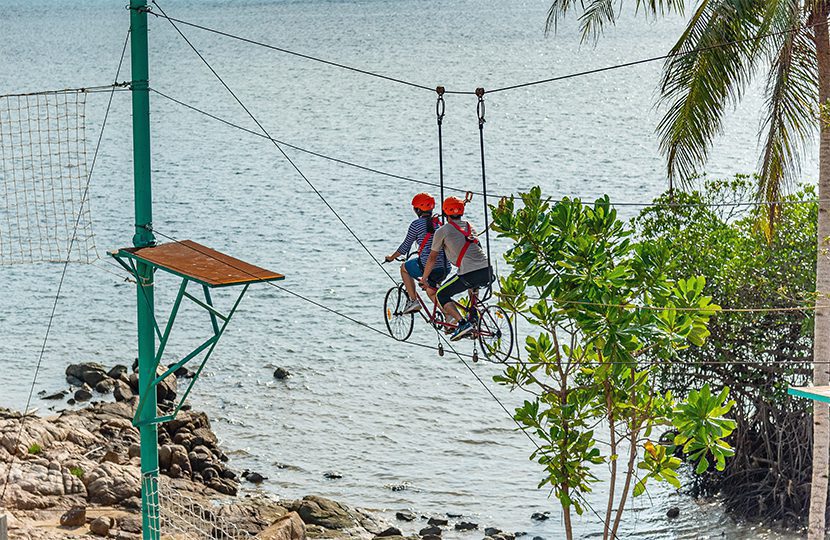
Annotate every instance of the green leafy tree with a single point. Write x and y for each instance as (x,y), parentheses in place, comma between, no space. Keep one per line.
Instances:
(725,45)
(757,354)
(609,321)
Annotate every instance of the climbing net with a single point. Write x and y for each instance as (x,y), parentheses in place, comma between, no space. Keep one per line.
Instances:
(172,514)
(43,179)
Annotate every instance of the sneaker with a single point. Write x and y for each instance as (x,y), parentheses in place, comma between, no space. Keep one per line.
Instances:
(449,329)
(463,329)
(411,307)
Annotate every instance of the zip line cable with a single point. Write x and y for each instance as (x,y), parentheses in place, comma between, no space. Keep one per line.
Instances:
(466,92)
(84,199)
(284,154)
(458,189)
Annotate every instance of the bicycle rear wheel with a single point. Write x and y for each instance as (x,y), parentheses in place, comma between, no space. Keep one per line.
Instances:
(495,333)
(399,325)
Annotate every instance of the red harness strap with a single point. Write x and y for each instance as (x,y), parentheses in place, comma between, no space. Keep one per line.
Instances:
(469,240)
(435,224)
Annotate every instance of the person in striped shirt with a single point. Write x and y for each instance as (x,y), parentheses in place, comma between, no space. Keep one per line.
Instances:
(421,230)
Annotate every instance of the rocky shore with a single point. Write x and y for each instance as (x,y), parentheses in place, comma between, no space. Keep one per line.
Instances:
(77,473)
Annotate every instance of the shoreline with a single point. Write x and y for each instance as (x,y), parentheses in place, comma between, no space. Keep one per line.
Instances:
(77,471)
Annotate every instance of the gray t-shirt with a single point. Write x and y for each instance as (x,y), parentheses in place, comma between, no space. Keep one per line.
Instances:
(452,242)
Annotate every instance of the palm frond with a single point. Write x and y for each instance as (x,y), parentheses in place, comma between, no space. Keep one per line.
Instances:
(596,15)
(710,67)
(791,96)
(660,7)
(559,9)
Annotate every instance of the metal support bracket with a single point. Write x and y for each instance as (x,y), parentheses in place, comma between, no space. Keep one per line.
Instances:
(208,345)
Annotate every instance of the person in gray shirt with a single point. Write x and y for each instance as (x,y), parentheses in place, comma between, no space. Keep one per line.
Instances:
(458,240)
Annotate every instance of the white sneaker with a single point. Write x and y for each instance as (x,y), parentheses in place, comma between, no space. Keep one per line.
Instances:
(411,307)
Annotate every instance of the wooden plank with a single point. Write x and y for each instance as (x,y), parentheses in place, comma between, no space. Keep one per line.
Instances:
(816,393)
(202,264)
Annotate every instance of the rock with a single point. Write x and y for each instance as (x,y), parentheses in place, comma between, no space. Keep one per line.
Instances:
(540,516)
(175,471)
(254,477)
(130,524)
(491,531)
(111,484)
(133,382)
(116,372)
(112,457)
(391,531)
(332,475)
(281,373)
(288,527)
(431,537)
(165,453)
(538,538)
(430,531)
(453,516)
(56,395)
(71,401)
(673,512)
(405,515)
(89,372)
(324,512)
(178,458)
(465,526)
(134,450)
(74,517)
(101,526)
(122,391)
(226,487)
(105,386)
(182,372)
(438,522)
(83,395)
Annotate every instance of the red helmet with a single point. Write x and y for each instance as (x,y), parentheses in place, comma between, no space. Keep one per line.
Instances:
(453,206)
(423,201)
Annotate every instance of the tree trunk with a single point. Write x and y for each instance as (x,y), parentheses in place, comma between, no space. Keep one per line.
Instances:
(821,347)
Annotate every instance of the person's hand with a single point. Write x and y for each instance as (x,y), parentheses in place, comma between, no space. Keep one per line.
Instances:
(389,258)
(423,282)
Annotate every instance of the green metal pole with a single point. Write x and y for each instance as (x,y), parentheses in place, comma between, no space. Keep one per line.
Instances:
(144,237)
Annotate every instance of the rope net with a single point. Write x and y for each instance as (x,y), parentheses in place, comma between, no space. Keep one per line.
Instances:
(43,179)
(174,515)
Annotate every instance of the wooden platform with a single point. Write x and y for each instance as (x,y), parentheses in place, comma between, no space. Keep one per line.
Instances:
(200,263)
(816,393)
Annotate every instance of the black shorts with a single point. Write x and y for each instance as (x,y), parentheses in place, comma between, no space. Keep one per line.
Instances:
(461,282)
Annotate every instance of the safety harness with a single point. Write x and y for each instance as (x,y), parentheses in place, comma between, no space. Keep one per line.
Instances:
(435,224)
(470,239)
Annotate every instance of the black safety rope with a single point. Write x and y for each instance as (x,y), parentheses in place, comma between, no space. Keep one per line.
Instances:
(439,114)
(480,114)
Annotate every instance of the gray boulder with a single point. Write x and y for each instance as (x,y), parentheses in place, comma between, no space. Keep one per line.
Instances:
(111,483)
(89,372)
(101,526)
(74,517)
(324,512)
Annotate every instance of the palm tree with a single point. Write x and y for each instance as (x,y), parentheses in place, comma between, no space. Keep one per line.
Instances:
(725,44)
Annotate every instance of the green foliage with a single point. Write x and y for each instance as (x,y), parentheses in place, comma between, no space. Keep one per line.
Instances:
(76,471)
(35,449)
(610,320)
(702,428)
(756,354)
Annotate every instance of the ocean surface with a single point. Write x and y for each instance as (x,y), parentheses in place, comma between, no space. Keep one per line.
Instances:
(383,415)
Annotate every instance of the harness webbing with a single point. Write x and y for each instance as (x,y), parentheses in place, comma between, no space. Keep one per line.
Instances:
(469,240)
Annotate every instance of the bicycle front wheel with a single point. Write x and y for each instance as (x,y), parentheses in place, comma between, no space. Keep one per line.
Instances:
(399,324)
(495,333)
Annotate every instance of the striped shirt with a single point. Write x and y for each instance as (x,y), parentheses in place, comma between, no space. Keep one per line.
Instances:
(416,233)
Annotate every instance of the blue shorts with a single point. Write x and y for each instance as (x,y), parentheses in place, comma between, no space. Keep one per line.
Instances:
(414,269)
